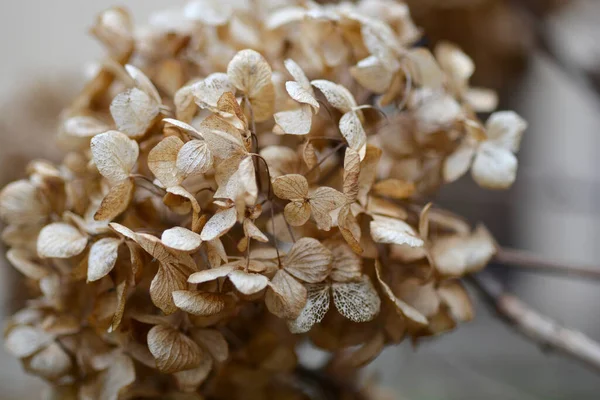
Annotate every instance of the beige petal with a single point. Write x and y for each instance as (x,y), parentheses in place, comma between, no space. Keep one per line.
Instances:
(454,295)
(250,73)
(84,127)
(102,258)
(121,290)
(357,301)
(322,202)
(185,108)
(337,95)
(425,69)
(354,133)
(201,303)
(168,279)
(247,176)
(346,265)
(23,341)
(350,229)
(224,140)
(372,74)
(351,174)
(368,172)
(211,274)
(151,244)
(60,240)
(252,231)
(481,100)
(189,380)
(213,341)
(143,83)
(290,187)
(395,188)
(194,158)
(286,297)
(216,253)
(302,95)
(295,122)
(173,350)
(459,162)
(162,161)
(248,283)
(182,239)
(421,296)
(22,261)
(114,154)
(110,382)
(116,201)
(22,204)
(505,129)
(317,305)
(391,230)
(134,112)
(50,363)
(401,307)
(454,61)
(381,41)
(184,127)
(219,224)
(297,213)
(494,167)
(308,260)
(208,91)
(298,74)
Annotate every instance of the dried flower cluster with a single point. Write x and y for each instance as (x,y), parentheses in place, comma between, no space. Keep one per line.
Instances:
(241,177)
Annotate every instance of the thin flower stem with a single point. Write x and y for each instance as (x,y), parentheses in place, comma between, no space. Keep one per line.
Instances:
(152,186)
(535,326)
(310,139)
(332,152)
(407,88)
(248,254)
(272,207)
(522,259)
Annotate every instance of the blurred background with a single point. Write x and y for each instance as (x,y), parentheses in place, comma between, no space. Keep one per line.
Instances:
(543,56)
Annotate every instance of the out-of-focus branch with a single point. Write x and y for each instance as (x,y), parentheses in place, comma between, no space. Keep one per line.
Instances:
(535,326)
(522,259)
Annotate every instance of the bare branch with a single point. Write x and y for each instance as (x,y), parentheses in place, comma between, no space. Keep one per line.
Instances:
(535,326)
(526,260)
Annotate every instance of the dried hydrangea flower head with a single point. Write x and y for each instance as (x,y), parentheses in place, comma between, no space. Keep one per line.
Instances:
(242,179)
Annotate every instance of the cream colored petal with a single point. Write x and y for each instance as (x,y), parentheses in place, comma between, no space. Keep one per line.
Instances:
(182,239)
(60,240)
(505,129)
(248,283)
(372,74)
(219,224)
(134,112)
(295,122)
(308,260)
(102,258)
(458,163)
(354,133)
(114,154)
(391,230)
(494,167)
(162,161)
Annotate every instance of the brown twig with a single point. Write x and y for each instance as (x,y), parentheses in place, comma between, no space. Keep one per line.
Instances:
(525,260)
(535,326)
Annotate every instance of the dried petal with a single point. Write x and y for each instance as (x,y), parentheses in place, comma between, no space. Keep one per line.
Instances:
(60,240)
(134,112)
(391,230)
(200,303)
(357,301)
(317,305)
(286,296)
(173,350)
(114,155)
(102,258)
(219,224)
(162,161)
(182,239)
(308,260)
(290,187)
(116,201)
(248,283)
